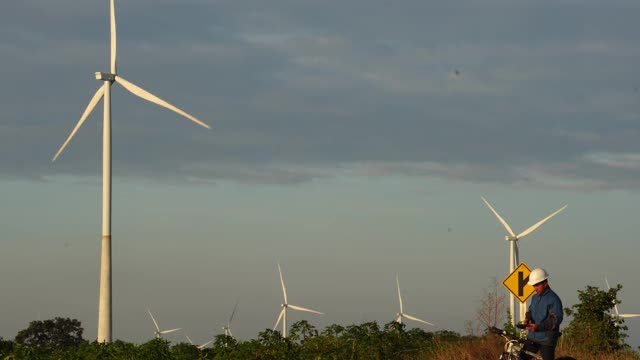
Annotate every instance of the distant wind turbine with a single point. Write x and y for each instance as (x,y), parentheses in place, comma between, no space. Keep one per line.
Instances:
(200,347)
(105,307)
(286,305)
(158,333)
(514,256)
(615,306)
(227,328)
(401,314)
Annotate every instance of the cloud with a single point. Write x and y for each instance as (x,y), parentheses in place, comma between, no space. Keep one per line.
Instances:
(295,90)
(615,161)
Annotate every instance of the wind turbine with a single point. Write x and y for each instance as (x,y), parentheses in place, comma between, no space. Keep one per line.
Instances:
(514,256)
(227,328)
(615,306)
(200,347)
(159,332)
(401,314)
(104,91)
(285,306)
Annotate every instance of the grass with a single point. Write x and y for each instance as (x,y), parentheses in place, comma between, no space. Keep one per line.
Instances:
(491,347)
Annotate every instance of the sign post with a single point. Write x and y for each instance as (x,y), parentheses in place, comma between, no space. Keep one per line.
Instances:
(516,283)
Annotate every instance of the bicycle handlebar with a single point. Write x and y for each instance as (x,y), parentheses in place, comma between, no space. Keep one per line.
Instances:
(502,332)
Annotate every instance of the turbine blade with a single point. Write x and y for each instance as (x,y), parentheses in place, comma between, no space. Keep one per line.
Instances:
(536,225)
(279,318)
(305,309)
(205,344)
(284,290)
(629,315)
(399,296)
(92,104)
(188,338)
(418,320)
(138,91)
(169,331)
(232,313)
(154,320)
(504,223)
(615,306)
(112,17)
(399,319)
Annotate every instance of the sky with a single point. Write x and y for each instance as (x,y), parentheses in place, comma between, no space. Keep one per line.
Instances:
(350,142)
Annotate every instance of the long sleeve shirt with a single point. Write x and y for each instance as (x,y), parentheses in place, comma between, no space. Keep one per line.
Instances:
(545,311)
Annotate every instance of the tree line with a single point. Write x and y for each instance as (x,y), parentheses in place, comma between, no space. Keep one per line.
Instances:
(592,330)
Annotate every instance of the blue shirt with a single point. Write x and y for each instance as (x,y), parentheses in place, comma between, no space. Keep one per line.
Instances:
(545,311)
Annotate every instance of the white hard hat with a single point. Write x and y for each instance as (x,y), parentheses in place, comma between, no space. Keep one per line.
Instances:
(537,276)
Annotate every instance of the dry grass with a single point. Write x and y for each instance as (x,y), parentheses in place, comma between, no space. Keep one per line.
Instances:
(490,348)
(485,348)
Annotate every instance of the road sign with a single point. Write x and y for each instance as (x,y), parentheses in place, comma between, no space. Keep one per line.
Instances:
(516,282)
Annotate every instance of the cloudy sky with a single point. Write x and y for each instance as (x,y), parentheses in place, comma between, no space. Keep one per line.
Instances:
(350,141)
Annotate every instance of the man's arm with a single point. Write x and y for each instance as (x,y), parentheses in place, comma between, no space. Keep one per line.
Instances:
(554,317)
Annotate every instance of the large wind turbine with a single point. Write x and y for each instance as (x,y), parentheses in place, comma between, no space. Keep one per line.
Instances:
(401,314)
(227,328)
(104,312)
(200,347)
(615,306)
(514,256)
(285,305)
(159,332)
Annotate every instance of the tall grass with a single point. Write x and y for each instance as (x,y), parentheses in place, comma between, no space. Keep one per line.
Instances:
(490,348)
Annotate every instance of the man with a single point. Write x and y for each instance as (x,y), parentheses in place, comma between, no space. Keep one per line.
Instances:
(544,316)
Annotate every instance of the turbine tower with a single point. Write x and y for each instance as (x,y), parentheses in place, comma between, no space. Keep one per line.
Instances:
(401,314)
(615,306)
(285,306)
(514,255)
(158,333)
(227,328)
(104,91)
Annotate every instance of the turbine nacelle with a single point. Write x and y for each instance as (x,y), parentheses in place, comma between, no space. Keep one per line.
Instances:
(105,76)
(511,238)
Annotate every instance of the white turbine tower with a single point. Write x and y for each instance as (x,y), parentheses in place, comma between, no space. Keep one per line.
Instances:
(615,306)
(401,314)
(158,333)
(104,308)
(227,328)
(286,305)
(514,256)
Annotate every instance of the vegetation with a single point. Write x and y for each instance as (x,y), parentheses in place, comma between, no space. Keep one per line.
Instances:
(51,334)
(592,334)
(595,328)
(364,341)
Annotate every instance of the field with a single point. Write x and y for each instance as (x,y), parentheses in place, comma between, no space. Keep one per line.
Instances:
(490,348)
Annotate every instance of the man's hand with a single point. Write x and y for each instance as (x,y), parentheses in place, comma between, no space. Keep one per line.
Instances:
(532,327)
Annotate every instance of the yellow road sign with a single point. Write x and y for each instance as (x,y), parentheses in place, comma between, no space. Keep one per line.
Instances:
(516,282)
